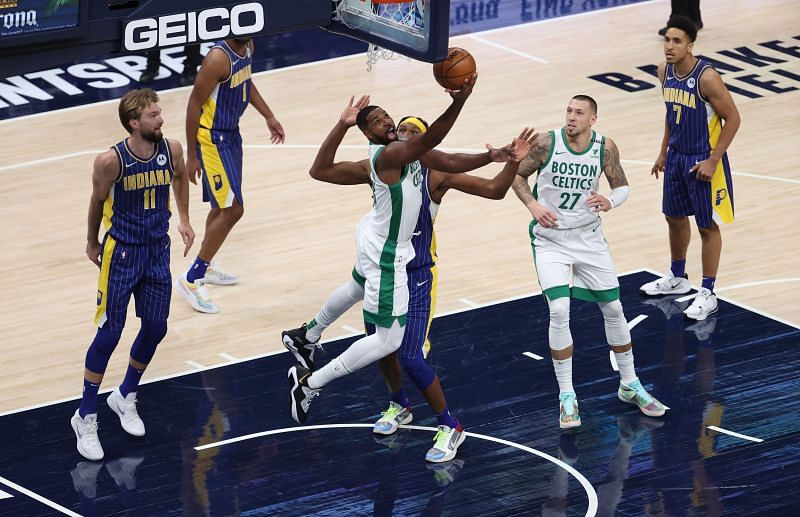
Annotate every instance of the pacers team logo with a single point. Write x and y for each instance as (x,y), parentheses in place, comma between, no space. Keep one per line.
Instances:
(721,195)
(217,181)
(161,160)
(99,297)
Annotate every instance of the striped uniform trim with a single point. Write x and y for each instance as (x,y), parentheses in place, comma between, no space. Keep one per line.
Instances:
(100,315)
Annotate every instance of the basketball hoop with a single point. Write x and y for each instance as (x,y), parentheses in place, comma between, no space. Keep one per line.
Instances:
(402,14)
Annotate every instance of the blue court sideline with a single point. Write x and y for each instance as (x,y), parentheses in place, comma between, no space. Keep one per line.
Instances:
(737,372)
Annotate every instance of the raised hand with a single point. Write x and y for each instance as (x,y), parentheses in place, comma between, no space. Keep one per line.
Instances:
(466,88)
(521,146)
(348,116)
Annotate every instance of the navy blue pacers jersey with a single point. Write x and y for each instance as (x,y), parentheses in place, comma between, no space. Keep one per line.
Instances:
(693,125)
(137,209)
(424,238)
(224,107)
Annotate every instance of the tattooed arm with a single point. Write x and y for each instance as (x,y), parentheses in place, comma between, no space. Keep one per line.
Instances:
(612,168)
(530,165)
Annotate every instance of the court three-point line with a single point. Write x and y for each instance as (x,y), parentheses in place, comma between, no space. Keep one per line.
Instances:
(733,433)
(532,356)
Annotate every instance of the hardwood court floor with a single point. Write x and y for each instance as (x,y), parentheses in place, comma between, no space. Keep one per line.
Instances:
(295,243)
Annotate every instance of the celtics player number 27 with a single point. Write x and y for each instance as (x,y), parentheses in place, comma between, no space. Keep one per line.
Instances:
(565,197)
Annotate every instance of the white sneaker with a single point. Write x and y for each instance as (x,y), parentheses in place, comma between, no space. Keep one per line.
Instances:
(86,432)
(125,408)
(667,284)
(196,294)
(703,305)
(392,418)
(216,275)
(445,444)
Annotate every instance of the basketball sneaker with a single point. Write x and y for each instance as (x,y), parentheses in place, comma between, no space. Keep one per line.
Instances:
(216,275)
(125,408)
(196,294)
(445,444)
(568,410)
(667,284)
(303,350)
(635,394)
(300,395)
(86,432)
(392,418)
(703,305)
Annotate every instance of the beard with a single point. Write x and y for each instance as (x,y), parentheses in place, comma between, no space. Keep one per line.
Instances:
(153,136)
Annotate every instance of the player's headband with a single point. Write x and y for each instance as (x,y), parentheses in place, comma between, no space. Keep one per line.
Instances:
(417,122)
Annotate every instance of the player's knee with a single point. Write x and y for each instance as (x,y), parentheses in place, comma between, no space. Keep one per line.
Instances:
(103,345)
(559,312)
(150,335)
(420,373)
(559,336)
(233,213)
(709,232)
(616,325)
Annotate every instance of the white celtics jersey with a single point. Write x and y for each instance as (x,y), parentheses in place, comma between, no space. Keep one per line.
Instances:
(395,208)
(568,177)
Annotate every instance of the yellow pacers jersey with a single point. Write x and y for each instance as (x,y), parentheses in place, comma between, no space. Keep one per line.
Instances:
(225,105)
(137,210)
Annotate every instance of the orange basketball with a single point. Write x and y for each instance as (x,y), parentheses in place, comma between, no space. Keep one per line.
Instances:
(453,71)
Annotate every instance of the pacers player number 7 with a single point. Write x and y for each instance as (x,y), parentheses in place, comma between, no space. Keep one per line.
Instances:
(677,108)
(149,198)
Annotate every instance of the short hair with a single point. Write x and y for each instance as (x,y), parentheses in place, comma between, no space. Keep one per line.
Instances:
(361,118)
(685,24)
(586,98)
(133,103)
(424,122)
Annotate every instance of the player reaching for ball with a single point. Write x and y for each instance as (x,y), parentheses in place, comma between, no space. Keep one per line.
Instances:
(383,241)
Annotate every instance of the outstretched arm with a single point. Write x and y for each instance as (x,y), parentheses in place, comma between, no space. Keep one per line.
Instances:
(464,162)
(341,173)
(491,188)
(612,168)
(397,154)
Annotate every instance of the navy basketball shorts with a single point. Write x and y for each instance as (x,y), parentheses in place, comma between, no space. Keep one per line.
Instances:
(141,270)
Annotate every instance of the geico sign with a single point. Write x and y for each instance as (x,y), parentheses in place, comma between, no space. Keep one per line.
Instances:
(209,24)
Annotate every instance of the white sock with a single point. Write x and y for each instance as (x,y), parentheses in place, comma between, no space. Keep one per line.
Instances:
(363,352)
(344,297)
(625,364)
(563,368)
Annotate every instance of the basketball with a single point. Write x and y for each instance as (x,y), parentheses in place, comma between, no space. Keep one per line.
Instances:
(453,71)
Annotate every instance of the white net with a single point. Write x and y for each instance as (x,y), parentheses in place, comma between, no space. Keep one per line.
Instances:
(407,16)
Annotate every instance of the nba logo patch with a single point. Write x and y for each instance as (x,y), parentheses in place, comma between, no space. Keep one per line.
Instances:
(161,160)
(99,297)
(217,182)
(720,196)
(690,82)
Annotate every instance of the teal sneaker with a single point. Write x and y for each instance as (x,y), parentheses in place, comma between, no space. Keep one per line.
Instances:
(392,418)
(568,411)
(637,395)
